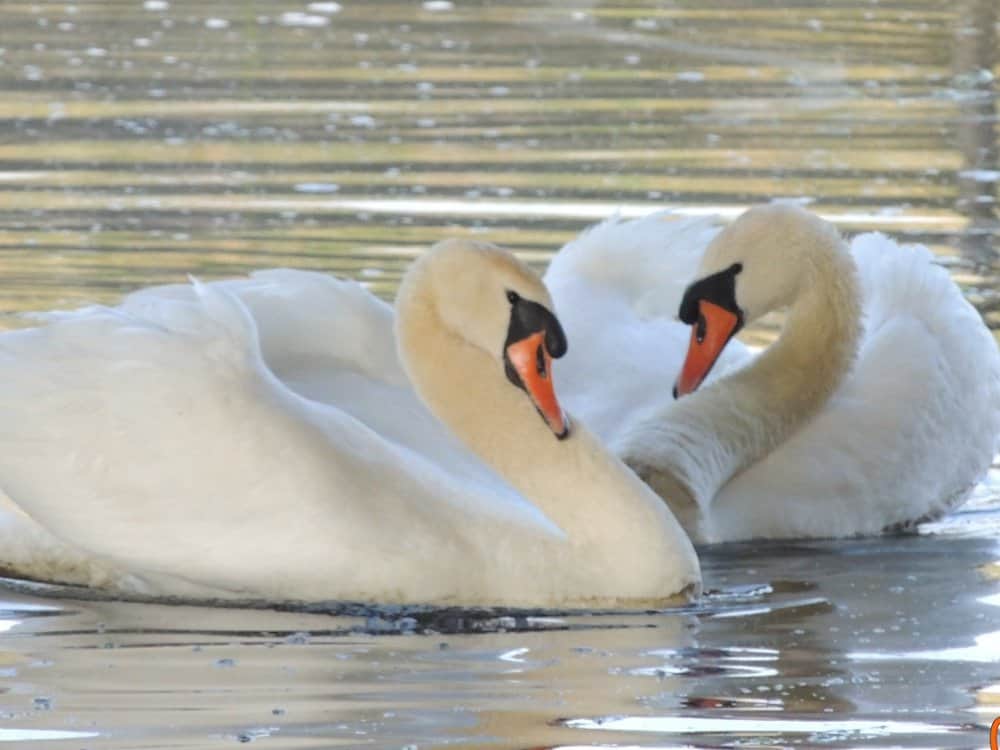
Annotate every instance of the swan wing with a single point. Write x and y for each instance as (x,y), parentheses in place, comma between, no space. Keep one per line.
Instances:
(617,288)
(155,436)
(914,424)
(332,341)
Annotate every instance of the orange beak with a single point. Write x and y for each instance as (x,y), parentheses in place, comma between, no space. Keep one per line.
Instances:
(709,336)
(533,364)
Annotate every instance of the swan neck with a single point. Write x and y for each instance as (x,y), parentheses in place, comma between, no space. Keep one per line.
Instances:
(575,482)
(610,539)
(741,418)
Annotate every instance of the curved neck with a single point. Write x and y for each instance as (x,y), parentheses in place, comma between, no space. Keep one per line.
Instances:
(580,486)
(717,432)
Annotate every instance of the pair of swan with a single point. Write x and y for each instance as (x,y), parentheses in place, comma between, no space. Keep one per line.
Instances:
(262,437)
(878,405)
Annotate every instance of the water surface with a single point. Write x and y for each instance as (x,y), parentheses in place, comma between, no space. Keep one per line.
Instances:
(146,141)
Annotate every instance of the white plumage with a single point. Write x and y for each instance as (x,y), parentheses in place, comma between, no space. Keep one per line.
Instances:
(907,434)
(260,438)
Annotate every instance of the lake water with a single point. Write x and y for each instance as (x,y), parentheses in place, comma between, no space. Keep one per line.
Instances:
(145,141)
(882,643)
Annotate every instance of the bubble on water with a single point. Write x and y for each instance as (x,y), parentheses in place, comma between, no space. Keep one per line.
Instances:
(980,175)
(328,8)
(142,41)
(156,5)
(216,23)
(426,122)
(96,52)
(499,91)
(690,76)
(363,121)
(438,5)
(316,187)
(973,78)
(632,59)
(646,24)
(298,18)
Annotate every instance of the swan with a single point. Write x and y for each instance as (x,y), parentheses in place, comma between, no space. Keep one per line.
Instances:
(877,406)
(153,442)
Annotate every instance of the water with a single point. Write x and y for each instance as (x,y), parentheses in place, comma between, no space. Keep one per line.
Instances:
(144,141)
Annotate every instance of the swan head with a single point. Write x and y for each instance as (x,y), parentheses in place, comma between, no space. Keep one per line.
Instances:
(756,265)
(491,301)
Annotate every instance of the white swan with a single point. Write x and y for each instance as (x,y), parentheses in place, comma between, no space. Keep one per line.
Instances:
(878,405)
(153,439)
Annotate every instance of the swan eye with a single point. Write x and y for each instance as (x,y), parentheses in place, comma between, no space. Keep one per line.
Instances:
(512,297)
(699,331)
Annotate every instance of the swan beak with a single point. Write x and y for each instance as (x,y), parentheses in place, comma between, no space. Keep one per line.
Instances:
(709,336)
(532,362)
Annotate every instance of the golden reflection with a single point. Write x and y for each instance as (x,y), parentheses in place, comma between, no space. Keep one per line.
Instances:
(146,144)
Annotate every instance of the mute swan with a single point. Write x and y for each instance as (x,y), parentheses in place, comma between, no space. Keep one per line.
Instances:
(154,438)
(877,406)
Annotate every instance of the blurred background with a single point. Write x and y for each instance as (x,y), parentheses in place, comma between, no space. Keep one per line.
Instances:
(144,141)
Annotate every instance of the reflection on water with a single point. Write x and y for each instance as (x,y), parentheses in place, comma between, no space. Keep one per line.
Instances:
(144,141)
(869,643)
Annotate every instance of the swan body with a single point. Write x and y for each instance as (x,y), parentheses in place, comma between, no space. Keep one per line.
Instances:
(243,403)
(261,439)
(878,406)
